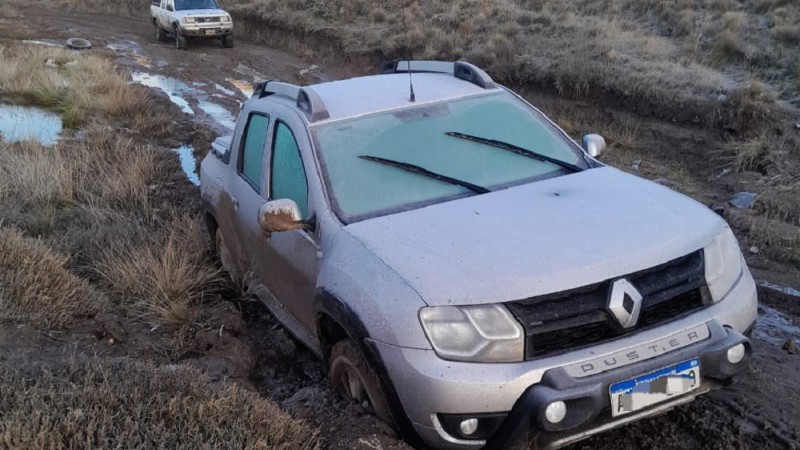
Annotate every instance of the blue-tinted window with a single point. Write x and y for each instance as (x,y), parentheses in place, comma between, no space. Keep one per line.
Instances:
(255,139)
(288,178)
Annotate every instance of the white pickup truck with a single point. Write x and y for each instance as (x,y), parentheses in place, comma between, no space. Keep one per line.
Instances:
(191,18)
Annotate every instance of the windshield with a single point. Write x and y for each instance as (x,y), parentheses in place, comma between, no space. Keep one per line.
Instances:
(361,184)
(182,5)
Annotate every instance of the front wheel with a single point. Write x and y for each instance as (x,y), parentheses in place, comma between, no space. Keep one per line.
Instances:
(180,40)
(352,377)
(161,35)
(227,41)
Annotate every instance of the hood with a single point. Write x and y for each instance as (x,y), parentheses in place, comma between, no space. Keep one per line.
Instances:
(202,12)
(540,238)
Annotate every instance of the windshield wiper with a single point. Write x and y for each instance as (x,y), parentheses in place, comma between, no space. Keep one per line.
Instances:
(515,149)
(427,173)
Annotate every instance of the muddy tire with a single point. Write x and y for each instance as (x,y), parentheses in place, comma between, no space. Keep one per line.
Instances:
(161,35)
(227,41)
(225,257)
(180,40)
(352,377)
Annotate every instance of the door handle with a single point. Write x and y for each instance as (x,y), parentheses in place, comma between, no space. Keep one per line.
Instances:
(235,203)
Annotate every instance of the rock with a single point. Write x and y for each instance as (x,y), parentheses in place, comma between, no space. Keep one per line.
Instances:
(754,250)
(722,98)
(635,165)
(664,182)
(719,209)
(790,346)
(743,200)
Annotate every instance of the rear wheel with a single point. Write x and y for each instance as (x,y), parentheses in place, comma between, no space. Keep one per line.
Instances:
(180,40)
(352,377)
(161,35)
(227,41)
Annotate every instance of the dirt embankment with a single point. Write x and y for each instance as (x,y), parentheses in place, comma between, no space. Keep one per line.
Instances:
(758,412)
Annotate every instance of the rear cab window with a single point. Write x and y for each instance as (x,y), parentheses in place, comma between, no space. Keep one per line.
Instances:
(251,157)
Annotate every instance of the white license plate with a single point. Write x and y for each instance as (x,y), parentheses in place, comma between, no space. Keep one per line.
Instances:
(211,31)
(640,392)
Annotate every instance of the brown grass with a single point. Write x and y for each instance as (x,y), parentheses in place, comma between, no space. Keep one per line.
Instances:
(127,404)
(672,58)
(165,279)
(76,87)
(36,288)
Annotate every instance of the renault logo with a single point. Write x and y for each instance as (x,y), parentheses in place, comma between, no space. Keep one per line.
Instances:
(624,302)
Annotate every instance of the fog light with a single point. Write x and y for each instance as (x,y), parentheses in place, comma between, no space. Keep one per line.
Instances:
(469,426)
(555,412)
(736,353)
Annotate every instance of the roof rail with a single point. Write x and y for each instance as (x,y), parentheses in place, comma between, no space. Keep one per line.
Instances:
(307,100)
(460,69)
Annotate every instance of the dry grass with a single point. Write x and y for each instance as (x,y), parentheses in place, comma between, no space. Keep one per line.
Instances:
(76,87)
(36,288)
(126,404)
(166,279)
(671,57)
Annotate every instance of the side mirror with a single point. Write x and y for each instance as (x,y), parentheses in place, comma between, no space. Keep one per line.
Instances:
(280,215)
(170,8)
(594,145)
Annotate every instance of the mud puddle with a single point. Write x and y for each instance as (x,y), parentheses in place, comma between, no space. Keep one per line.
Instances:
(775,327)
(45,42)
(193,99)
(26,122)
(188,163)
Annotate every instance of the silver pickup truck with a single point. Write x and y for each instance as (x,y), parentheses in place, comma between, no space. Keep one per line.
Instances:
(468,272)
(191,18)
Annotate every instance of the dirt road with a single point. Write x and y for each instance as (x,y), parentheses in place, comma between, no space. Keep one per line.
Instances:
(762,410)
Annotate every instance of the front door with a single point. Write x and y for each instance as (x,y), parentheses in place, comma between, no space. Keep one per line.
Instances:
(289,264)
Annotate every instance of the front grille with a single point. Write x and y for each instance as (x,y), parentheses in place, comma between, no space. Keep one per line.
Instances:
(579,317)
(207,19)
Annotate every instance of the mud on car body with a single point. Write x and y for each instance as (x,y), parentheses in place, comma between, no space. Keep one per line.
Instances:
(467,271)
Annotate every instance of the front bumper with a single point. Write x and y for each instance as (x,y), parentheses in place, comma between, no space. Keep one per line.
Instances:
(431,388)
(209,30)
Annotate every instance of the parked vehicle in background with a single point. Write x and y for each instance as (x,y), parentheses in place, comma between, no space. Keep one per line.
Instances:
(191,18)
(468,272)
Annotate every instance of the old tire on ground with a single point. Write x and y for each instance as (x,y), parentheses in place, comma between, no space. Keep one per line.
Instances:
(161,35)
(180,40)
(225,257)
(78,44)
(227,41)
(352,377)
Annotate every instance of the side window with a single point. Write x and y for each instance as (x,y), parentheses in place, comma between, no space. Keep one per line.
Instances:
(252,150)
(288,178)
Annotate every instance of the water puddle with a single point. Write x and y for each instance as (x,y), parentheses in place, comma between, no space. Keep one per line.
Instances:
(180,93)
(175,89)
(25,122)
(774,327)
(218,113)
(48,43)
(188,164)
(243,86)
(786,290)
(130,49)
(224,90)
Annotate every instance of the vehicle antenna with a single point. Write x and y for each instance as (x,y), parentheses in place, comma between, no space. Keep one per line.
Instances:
(411,97)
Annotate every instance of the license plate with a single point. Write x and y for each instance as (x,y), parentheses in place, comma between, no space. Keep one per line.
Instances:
(211,31)
(640,392)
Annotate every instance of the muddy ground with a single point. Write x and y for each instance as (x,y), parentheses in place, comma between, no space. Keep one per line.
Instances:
(207,82)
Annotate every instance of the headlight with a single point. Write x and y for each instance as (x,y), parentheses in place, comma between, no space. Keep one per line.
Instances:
(226,18)
(480,333)
(723,261)
(188,20)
